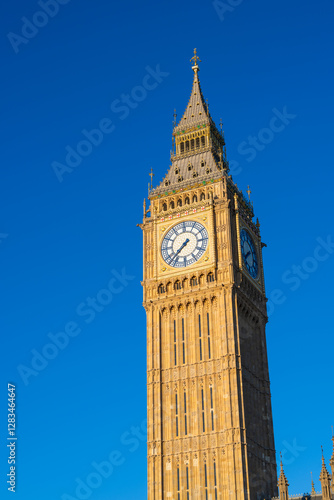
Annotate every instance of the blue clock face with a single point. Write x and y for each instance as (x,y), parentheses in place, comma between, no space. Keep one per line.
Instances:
(184,244)
(249,253)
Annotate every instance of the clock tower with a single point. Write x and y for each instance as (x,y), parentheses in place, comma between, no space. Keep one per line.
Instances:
(210,428)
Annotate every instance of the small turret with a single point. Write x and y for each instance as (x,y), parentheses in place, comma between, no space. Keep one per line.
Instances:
(332,460)
(325,480)
(283,484)
(313,492)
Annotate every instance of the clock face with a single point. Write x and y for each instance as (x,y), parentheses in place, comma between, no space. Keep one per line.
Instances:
(184,244)
(249,253)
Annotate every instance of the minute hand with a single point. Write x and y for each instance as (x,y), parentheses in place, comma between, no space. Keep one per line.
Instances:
(182,246)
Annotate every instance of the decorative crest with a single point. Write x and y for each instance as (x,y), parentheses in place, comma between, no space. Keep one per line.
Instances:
(249,192)
(195,58)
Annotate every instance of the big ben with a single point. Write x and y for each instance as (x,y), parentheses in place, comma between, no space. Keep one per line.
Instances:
(210,427)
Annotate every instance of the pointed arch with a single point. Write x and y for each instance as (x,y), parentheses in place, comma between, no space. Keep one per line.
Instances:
(177,285)
(210,277)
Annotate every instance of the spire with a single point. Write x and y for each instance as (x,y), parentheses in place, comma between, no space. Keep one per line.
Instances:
(332,460)
(197,111)
(283,484)
(325,480)
(199,153)
(313,492)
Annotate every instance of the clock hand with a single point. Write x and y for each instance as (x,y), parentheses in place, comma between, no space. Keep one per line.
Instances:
(247,254)
(181,247)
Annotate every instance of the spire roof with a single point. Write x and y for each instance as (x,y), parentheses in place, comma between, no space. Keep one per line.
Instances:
(282,480)
(197,110)
(324,475)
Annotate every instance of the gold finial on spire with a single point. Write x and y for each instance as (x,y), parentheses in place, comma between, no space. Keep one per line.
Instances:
(195,58)
(249,192)
(151,174)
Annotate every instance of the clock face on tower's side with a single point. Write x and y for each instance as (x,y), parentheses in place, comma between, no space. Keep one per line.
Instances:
(184,244)
(249,253)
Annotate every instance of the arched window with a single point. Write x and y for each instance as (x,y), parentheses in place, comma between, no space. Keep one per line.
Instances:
(172,204)
(193,281)
(182,147)
(210,277)
(187,145)
(208,170)
(197,142)
(203,140)
(187,201)
(179,202)
(189,166)
(176,170)
(177,285)
(202,163)
(194,199)
(202,196)
(161,289)
(192,144)
(164,207)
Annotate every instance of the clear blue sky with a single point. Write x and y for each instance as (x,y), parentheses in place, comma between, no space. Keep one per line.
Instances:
(62,242)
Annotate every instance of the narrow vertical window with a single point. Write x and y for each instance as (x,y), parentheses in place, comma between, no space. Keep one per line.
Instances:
(174,342)
(206,481)
(215,478)
(203,416)
(187,478)
(176,416)
(211,410)
(183,343)
(185,414)
(209,342)
(178,482)
(200,337)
